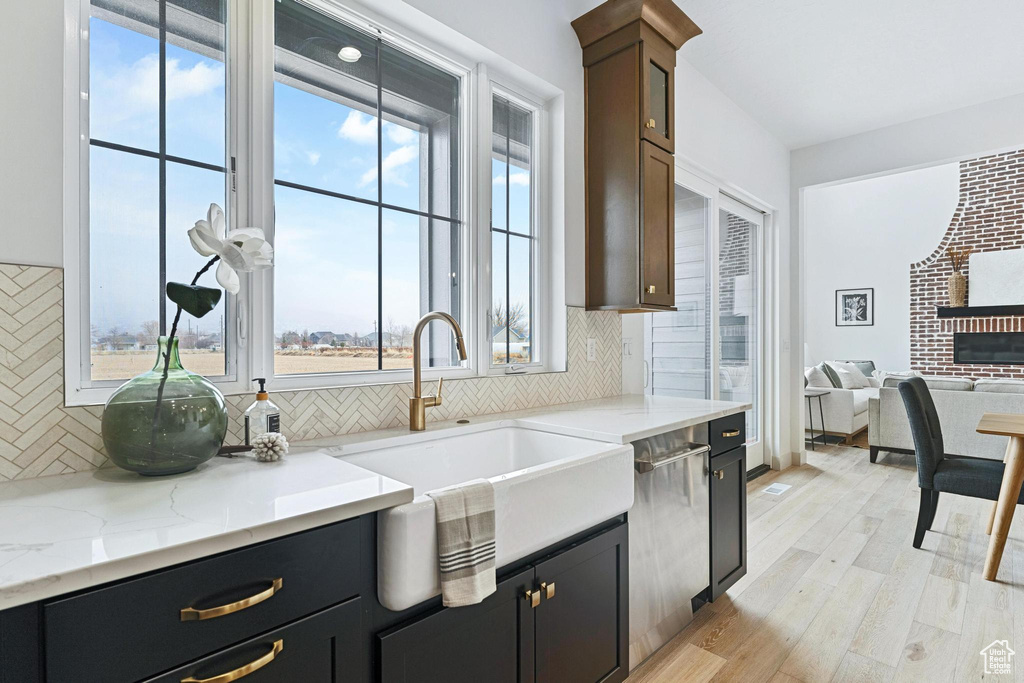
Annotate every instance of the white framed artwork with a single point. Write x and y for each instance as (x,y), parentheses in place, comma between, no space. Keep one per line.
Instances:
(855,307)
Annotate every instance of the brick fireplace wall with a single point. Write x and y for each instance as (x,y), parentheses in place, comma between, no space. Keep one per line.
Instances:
(989,217)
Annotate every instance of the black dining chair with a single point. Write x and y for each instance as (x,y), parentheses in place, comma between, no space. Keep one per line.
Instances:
(964,476)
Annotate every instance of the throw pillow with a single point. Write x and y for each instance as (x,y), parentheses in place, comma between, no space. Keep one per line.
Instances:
(831,374)
(858,377)
(883,376)
(847,380)
(816,378)
(867,367)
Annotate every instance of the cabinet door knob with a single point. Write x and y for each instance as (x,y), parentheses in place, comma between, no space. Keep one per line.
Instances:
(533,597)
(650,289)
(549,589)
(650,123)
(719,474)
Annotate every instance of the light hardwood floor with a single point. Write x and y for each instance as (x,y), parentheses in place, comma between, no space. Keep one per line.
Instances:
(835,591)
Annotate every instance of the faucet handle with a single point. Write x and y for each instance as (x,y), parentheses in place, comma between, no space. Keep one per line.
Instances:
(435,400)
(437,396)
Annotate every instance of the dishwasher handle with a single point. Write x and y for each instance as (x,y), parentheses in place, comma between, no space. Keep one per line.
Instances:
(643,465)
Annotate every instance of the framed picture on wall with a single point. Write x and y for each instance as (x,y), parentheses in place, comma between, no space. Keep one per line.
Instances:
(855,307)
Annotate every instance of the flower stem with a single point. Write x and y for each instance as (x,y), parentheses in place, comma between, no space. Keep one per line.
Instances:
(167,358)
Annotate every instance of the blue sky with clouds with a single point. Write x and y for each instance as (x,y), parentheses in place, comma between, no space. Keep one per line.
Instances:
(326,248)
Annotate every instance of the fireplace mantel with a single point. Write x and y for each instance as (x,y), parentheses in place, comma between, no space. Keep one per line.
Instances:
(979,311)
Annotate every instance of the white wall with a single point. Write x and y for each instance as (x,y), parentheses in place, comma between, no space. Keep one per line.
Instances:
(866,234)
(31,72)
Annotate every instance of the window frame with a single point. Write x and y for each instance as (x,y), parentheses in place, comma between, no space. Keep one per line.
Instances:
(79,387)
(249,143)
(262,298)
(541,333)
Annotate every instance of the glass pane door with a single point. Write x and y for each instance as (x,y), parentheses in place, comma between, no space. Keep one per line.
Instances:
(711,347)
(679,349)
(739,324)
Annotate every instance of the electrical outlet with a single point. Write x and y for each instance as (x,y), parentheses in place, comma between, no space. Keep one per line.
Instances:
(627,347)
(591,349)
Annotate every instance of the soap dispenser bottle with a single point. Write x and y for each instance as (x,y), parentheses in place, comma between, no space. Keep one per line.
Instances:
(262,416)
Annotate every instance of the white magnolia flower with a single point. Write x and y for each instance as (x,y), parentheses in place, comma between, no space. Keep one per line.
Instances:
(241,251)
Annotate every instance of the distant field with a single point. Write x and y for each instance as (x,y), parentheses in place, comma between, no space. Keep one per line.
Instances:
(127,364)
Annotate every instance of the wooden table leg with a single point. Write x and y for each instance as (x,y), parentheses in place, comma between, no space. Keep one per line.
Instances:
(992,517)
(1009,491)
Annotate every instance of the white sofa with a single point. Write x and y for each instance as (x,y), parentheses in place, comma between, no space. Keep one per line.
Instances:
(960,403)
(845,411)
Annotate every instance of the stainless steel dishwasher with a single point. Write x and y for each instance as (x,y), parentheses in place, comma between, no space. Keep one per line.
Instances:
(669,546)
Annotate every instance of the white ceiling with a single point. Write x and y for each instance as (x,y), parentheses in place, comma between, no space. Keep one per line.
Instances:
(817,70)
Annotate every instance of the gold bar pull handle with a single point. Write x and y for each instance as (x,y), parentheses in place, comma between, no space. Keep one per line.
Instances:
(193,614)
(651,123)
(242,671)
(651,289)
(719,474)
(549,589)
(533,597)
(731,433)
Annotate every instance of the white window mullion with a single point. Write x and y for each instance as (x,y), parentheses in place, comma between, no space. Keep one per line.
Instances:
(76,206)
(256,180)
(481,190)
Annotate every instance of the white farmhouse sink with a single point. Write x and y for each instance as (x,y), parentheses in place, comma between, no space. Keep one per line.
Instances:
(546,487)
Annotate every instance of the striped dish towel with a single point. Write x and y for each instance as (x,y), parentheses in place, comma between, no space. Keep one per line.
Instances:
(465,542)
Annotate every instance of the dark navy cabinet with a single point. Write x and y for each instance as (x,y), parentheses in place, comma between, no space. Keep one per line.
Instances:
(304,608)
(562,618)
(728,501)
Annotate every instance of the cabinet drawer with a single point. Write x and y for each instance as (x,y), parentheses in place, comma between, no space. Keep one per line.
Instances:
(323,647)
(726,433)
(136,628)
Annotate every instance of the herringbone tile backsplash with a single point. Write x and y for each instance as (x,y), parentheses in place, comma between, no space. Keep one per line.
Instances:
(40,436)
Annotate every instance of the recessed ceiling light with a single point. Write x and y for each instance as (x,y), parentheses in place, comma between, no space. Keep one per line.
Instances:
(349,54)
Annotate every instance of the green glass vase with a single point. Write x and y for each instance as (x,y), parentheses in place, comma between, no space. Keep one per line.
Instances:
(164,421)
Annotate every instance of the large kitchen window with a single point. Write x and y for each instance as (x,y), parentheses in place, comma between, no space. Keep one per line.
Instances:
(513,237)
(156,136)
(347,143)
(367,198)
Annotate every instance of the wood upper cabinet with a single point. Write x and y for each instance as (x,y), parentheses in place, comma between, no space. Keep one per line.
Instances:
(657,104)
(629,56)
(657,226)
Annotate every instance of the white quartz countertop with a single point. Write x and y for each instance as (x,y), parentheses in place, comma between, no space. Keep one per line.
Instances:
(68,532)
(619,419)
(64,533)
(626,418)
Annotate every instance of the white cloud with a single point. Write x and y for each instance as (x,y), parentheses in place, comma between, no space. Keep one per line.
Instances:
(313,157)
(515,178)
(390,166)
(141,81)
(124,98)
(359,128)
(400,135)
